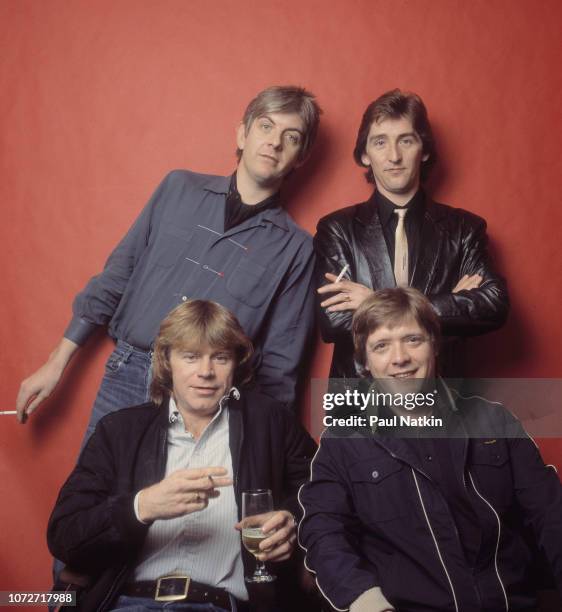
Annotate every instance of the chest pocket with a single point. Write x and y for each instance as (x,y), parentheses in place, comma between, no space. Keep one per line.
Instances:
(381,490)
(492,470)
(171,244)
(250,283)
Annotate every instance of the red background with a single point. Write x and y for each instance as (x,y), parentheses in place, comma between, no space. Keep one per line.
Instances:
(101,99)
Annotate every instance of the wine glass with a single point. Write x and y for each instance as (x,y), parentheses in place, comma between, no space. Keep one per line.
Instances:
(254,503)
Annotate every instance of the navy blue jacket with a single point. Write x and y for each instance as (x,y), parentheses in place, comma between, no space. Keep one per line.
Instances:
(373,517)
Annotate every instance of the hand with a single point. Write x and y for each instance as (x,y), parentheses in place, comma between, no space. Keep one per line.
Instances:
(280,544)
(182,492)
(40,385)
(467,283)
(349,295)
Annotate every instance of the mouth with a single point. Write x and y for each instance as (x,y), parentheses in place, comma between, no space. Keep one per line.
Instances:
(205,390)
(407,374)
(395,170)
(269,158)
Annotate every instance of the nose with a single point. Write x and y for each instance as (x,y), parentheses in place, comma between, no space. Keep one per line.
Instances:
(276,138)
(394,153)
(206,367)
(399,355)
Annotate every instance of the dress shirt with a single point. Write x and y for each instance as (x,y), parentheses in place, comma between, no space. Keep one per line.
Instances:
(412,223)
(203,545)
(236,211)
(177,249)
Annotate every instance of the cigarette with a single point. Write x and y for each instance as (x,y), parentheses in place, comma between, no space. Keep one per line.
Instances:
(8,412)
(342,273)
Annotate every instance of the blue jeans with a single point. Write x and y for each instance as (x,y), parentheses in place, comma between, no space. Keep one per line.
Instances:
(143,604)
(125,383)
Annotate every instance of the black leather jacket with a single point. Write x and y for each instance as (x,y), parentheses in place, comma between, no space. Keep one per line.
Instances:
(453,243)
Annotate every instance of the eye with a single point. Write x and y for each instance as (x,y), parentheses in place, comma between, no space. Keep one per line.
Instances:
(265,125)
(379,347)
(293,138)
(407,141)
(415,340)
(378,143)
(189,356)
(222,358)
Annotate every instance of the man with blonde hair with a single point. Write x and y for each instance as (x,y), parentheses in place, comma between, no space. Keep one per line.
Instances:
(200,236)
(151,511)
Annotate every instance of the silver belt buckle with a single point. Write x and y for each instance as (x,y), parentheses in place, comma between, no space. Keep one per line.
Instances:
(160,583)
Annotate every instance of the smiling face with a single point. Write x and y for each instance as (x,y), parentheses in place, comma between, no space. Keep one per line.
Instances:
(200,378)
(394,151)
(270,148)
(401,357)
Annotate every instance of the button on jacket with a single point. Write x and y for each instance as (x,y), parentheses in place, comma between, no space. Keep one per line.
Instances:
(373,517)
(177,249)
(452,243)
(93,527)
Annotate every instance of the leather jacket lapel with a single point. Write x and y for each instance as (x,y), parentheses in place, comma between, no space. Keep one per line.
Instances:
(372,245)
(431,243)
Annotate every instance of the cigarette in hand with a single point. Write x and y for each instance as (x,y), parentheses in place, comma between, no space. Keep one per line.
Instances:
(342,273)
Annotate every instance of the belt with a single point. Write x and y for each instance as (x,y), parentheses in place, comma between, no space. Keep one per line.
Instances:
(178,588)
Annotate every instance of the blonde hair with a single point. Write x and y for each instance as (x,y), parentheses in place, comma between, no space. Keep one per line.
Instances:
(191,325)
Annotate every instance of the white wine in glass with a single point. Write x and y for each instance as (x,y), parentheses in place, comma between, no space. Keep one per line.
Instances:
(254,503)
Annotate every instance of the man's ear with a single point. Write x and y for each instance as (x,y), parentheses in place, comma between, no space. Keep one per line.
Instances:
(425,157)
(365,160)
(241,136)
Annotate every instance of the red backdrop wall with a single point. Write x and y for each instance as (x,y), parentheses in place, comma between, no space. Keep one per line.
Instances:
(99,100)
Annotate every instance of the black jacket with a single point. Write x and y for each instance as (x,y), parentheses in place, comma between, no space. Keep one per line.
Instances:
(452,244)
(93,527)
(373,517)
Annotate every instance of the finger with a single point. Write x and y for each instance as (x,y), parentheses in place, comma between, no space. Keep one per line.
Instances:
(281,552)
(32,406)
(281,533)
(278,520)
(205,472)
(206,485)
(475,280)
(339,298)
(342,307)
(330,288)
(331,277)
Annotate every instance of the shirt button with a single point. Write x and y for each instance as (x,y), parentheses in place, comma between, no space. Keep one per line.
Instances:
(184,298)
(375,474)
(429,458)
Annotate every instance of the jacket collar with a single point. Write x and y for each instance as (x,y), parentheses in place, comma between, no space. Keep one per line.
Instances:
(401,449)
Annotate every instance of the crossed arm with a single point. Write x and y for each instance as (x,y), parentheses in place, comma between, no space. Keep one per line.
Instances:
(477,302)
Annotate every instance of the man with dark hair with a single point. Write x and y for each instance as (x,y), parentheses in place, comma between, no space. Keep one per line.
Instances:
(400,237)
(222,238)
(150,517)
(430,507)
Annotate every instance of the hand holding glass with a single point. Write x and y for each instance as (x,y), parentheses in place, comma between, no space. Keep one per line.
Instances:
(256,506)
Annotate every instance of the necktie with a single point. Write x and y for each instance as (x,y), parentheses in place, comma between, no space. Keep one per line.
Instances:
(401,250)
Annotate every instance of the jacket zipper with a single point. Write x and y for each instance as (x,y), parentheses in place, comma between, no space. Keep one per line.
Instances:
(497,542)
(111,591)
(435,540)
